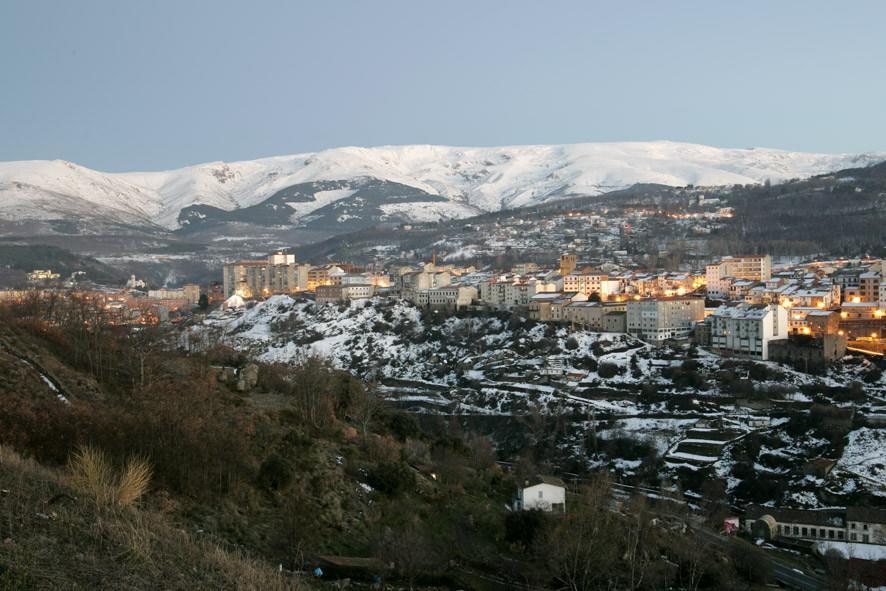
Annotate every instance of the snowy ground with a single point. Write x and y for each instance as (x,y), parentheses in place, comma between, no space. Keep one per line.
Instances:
(865,457)
(672,403)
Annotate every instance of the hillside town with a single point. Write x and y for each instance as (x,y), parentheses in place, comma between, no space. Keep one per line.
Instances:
(809,312)
(810,332)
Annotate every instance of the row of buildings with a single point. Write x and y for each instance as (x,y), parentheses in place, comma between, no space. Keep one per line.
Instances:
(739,306)
(865,525)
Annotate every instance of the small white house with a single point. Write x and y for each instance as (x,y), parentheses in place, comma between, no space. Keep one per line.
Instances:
(542,493)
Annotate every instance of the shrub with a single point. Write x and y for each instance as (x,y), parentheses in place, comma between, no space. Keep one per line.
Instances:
(608,370)
(524,527)
(92,472)
(873,376)
(404,426)
(275,473)
(391,478)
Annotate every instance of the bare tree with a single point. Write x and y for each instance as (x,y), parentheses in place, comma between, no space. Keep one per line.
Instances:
(366,407)
(409,551)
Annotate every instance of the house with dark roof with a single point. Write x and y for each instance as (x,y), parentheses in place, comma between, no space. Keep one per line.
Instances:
(855,524)
(866,525)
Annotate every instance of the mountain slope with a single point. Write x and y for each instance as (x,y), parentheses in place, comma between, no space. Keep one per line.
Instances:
(440,182)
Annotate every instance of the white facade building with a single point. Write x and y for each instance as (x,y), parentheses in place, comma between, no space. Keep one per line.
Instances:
(658,320)
(452,297)
(747,329)
(542,493)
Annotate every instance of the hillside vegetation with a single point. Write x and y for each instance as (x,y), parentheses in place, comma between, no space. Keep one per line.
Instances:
(130,465)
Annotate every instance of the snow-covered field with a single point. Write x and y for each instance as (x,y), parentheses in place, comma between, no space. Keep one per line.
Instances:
(633,397)
(865,457)
(389,339)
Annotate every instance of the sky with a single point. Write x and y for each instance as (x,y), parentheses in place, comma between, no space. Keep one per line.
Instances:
(125,85)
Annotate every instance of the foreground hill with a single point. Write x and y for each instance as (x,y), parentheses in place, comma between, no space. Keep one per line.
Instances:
(349,188)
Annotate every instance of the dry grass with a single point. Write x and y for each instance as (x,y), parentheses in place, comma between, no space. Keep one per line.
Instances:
(60,540)
(133,481)
(93,473)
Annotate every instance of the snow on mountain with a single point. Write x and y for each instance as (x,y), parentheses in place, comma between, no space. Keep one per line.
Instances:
(38,189)
(471,180)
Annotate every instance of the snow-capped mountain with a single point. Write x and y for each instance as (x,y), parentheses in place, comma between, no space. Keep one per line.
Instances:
(367,185)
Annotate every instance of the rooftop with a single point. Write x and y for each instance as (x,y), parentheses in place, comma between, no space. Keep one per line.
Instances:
(544,479)
(742,311)
(824,517)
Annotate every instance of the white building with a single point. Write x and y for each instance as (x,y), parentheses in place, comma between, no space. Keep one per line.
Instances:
(866,525)
(721,276)
(452,297)
(189,292)
(588,284)
(661,319)
(747,329)
(542,493)
(341,293)
(511,291)
(418,280)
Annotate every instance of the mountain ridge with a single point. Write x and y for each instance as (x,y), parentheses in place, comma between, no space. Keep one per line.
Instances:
(445,182)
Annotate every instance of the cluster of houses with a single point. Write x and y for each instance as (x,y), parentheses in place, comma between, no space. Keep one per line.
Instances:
(739,306)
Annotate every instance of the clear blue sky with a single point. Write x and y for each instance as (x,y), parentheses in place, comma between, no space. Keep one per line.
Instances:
(140,85)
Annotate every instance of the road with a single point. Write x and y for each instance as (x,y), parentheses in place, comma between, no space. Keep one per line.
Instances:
(790,577)
(782,571)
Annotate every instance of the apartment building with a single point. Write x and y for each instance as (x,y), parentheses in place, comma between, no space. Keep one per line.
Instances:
(525,268)
(747,329)
(660,319)
(378,280)
(550,307)
(419,280)
(596,316)
(451,297)
(590,283)
(511,291)
(719,277)
(278,274)
(862,319)
(324,275)
(189,292)
(38,275)
(869,287)
(813,321)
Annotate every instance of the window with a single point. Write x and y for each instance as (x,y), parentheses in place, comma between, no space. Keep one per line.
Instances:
(865,527)
(852,537)
(821,533)
(805,531)
(866,538)
(831,534)
(796,530)
(841,534)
